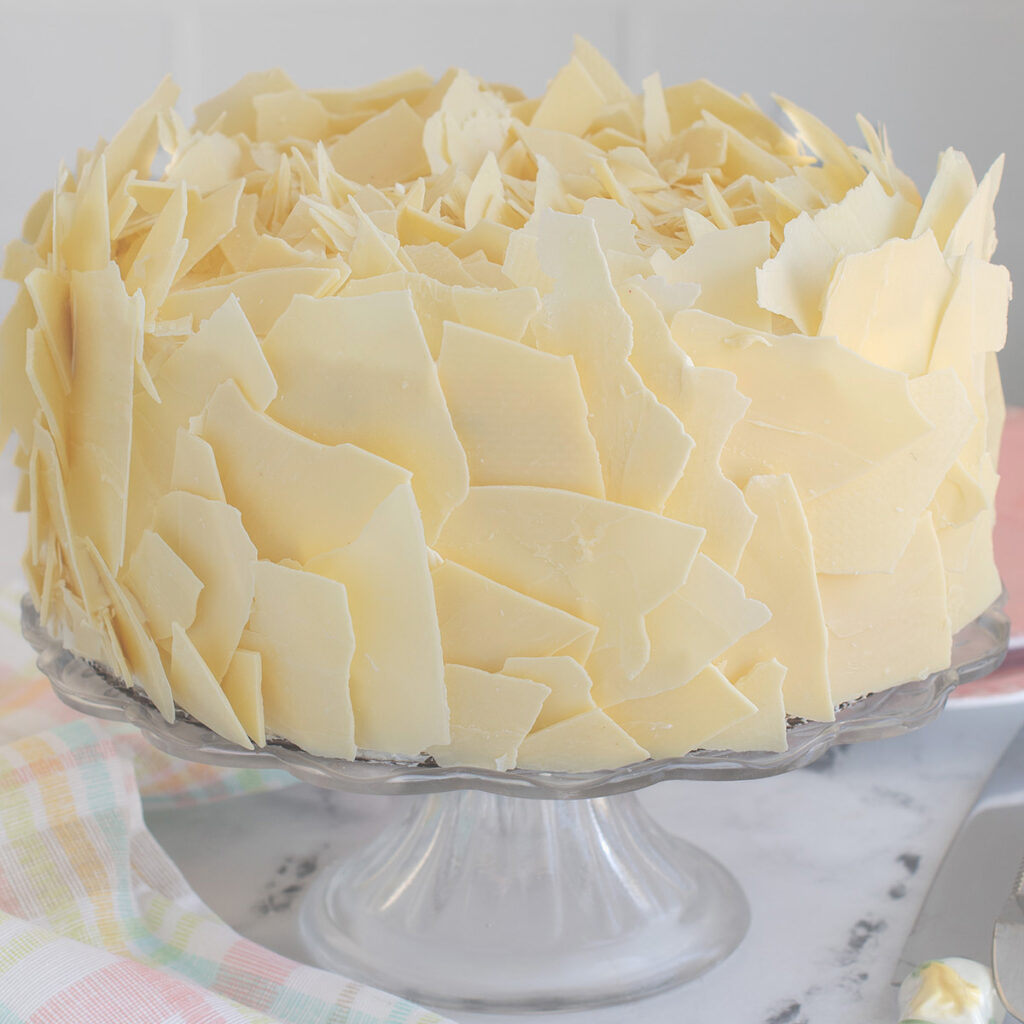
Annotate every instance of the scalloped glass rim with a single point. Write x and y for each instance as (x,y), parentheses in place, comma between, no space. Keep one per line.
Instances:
(978,649)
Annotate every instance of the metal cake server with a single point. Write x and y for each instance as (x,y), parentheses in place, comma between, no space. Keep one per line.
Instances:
(969,890)
(1008,949)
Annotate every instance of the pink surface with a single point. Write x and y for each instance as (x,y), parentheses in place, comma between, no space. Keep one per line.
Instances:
(1010,515)
(1009,545)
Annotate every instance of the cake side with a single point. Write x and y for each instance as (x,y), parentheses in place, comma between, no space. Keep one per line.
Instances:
(560,432)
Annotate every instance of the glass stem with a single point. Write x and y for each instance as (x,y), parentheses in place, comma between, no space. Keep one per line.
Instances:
(478,901)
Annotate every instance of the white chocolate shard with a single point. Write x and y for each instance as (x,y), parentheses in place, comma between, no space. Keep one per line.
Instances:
(959,499)
(486,197)
(723,264)
(886,305)
(358,371)
(157,261)
(263,294)
(684,718)
(86,246)
(19,260)
(972,576)
(518,413)
(302,630)
(657,126)
(165,587)
(469,122)
(233,109)
(975,229)
(840,166)
(385,149)
(210,220)
(688,630)
(572,101)
(570,551)
(829,411)
(974,322)
(224,348)
(107,331)
(206,162)
(491,715)
(135,144)
(970,592)
(484,623)
(590,741)
(864,525)
(886,628)
(432,300)
(243,686)
(505,313)
(140,654)
(196,689)
(568,680)
(601,71)
(708,403)
(766,730)
(302,498)
(210,539)
(17,401)
(51,502)
(44,379)
(290,114)
(51,298)
(195,467)
(778,569)
(982,296)
(950,192)
(398,661)
(687,103)
(80,635)
(642,446)
(795,281)
(865,218)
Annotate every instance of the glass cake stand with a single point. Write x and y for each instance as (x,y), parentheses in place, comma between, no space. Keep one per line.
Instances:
(523,890)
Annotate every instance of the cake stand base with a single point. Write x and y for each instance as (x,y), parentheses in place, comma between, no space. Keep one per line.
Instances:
(480,902)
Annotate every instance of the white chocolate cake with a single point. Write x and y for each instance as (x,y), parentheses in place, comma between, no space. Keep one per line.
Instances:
(432,420)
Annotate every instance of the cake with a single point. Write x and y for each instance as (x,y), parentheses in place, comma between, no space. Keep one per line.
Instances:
(434,421)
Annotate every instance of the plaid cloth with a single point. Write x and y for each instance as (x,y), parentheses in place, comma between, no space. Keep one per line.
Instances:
(97,925)
(28,705)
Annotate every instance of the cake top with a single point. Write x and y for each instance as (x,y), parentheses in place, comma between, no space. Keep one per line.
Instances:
(429,417)
(444,173)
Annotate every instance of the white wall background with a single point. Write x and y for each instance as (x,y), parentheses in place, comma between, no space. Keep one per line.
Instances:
(936,72)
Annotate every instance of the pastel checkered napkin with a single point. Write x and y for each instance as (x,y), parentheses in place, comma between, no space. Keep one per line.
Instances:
(28,705)
(97,925)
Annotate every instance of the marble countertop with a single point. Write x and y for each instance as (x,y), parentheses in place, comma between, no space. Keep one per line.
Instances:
(835,860)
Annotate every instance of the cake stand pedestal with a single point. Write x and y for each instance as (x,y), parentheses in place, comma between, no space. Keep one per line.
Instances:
(524,890)
(482,902)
